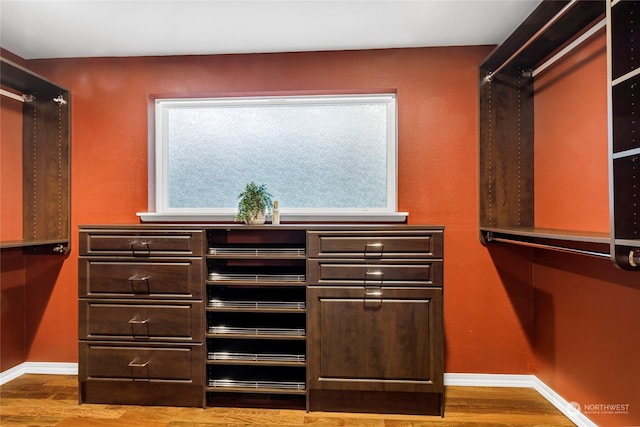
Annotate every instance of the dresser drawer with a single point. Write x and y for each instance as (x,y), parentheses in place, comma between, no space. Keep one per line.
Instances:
(142,243)
(152,278)
(391,341)
(128,320)
(375,244)
(340,272)
(182,363)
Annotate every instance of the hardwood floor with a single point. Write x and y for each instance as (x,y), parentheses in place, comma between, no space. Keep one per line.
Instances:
(52,400)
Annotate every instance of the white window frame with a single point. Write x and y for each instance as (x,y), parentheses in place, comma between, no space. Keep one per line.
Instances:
(158,153)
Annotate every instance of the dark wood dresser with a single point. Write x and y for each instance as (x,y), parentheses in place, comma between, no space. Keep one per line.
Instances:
(374,310)
(330,317)
(140,316)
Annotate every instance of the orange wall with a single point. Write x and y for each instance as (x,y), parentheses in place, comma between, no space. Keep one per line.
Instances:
(571,151)
(11,169)
(568,319)
(12,309)
(13,343)
(438,110)
(587,322)
(587,312)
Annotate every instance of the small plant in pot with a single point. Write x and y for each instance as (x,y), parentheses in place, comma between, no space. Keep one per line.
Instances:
(254,202)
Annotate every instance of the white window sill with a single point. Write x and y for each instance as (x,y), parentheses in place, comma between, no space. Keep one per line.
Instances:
(284,218)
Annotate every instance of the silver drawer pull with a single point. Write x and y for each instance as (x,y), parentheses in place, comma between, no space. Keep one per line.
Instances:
(136,364)
(373,293)
(373,297)
(375,276)
(140,248)
(139,284)
(138,322)
(374,249)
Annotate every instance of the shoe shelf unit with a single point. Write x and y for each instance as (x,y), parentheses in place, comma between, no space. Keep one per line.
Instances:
(256,312)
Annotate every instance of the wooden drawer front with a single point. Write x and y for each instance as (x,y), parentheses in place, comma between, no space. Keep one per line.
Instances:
(144,279)
(378,244)
(127,320)
(342,273)
(389,343)
(142,244)
(144,363)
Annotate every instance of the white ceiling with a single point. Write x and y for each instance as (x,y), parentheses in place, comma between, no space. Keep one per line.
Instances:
(34,29)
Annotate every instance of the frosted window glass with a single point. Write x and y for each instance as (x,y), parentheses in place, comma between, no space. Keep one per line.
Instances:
(311,156)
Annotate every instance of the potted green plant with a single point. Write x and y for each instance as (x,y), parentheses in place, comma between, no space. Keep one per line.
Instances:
(254,202)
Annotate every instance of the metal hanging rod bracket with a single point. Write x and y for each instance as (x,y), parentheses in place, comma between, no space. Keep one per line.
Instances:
(17,97)
(533,38)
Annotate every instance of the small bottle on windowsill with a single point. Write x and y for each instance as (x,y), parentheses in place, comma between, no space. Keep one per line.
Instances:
(275,215)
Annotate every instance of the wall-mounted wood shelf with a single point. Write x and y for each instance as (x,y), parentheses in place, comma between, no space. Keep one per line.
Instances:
(46,160)
(624,131)
(507,148)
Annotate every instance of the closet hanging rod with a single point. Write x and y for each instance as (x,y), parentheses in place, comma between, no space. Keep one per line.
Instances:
(17,97)
(574,44)
(533,38)
(552,247)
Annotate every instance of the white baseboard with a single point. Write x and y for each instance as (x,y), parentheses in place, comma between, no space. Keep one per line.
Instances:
(38,368)
(488,380)
(452,379)
(567,408)
(525,381)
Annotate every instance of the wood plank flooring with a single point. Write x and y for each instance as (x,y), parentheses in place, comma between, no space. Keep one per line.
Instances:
(52,400)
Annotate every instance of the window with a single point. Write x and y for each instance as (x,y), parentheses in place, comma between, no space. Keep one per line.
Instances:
(319,156)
